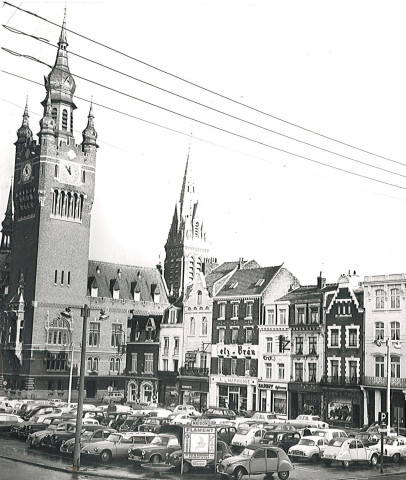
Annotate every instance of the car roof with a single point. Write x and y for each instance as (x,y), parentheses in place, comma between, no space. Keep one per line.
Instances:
(255,446)
(313,437)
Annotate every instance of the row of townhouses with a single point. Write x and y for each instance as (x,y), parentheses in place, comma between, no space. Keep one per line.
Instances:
(234,334)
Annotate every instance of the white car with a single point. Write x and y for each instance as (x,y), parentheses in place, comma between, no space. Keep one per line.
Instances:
(303,421)
(267,417)
(329,433)
(393,447)
(310,448)
(181,419)
(187,409)
(247,436)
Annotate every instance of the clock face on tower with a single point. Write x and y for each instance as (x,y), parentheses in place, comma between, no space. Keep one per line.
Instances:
(69,173)
(26,171)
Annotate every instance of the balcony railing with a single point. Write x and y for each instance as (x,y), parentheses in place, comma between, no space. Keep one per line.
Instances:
(194,372)
(383,382)
(336,380)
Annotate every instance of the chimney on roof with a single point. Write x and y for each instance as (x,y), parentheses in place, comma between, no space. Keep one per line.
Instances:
(321,282)
(119,273)
(240,263)
(98,270)
(159,268)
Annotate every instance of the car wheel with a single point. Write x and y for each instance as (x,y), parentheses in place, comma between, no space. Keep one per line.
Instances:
(186,467)
(314,458)
(327,463)
(346,463)
(105,456)
(395,458)
(283,475)
(155,459)
(239,472)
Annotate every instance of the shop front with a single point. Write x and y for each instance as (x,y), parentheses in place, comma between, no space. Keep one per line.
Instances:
(168,392)
(236,393)
(305,399)
(194,392)
(375,402)
(343,408)
(273,397)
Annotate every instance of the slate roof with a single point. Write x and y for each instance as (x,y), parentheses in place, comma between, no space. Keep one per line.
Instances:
(307,293)
(225,268)
(246,281)
(127,278)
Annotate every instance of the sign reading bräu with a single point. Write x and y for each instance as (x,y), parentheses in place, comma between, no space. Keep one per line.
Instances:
(236,351)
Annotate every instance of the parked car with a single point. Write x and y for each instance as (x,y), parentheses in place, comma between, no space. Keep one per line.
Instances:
(256,460)
(180,419)
(159,412)
(368,438)
(59,438)
(282,440)
(7,420)
(281,427)
(223,451)
(329,433)
(113,397)
(42,438)
(348,451)
(393,447)
(153,424)
(88,436)
(309,448)
(226,433)
(190,409)
(303,421)
(117,445)
(132,422)
(219,412)
(247,436)
(155,452)
(267,417)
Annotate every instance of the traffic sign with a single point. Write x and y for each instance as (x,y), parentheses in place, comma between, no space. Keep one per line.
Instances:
(383,418)
(5,383)
(110,389)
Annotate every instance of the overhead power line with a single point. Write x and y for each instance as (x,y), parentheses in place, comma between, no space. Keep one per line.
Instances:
(343,170)
(16,31)
(201,87)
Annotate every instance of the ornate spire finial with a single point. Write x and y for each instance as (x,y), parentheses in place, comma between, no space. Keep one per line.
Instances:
(62,37)
(24,132)
(89,133)
(7,225)
(47,123)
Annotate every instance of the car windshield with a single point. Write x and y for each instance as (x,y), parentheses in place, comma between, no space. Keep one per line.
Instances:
(315,419)
(301,417)
(113,437)
(152,421)
(242,431)
(306,441)
(247,452)
(87,434)
(390,441)
(335,442)
(159,441)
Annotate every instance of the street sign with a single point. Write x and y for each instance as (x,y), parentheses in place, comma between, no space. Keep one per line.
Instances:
(199,443)
(383,418)
(110,389)
(190,357)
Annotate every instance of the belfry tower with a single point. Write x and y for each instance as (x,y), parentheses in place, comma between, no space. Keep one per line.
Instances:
(186,248)
(53,193)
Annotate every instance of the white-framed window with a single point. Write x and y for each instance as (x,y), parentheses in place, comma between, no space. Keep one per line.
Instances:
(222,334)
(299,346)
(58,332)
(115,365)
(94,334)
(395,298)
(395,330)
(281,371)
(234,335)
(134,362)
(334,337)
(192,327)
(395,366)
(269,344)
(166,346)
(312,368)
(233,366)
(220,365)
(334,367)
(247,366)
(248,310)
(165,363)
(222,310)
(176,345)
(380,366)
(314,315)
(312,345)
(379,298)
(298,372)
(268,370)
(236,310)
(248,335)
(379,330)
(300,315)
(172,316)
(282,316)
(93,364)
(203,360)
(352,336)
(270,316)
(352,369)
(116,332)
(148,362)
(204,326)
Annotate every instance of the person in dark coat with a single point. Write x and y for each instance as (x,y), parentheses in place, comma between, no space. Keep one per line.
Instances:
(307,432)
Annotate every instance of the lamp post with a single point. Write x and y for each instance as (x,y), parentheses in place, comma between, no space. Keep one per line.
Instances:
(84,313)
(67,314)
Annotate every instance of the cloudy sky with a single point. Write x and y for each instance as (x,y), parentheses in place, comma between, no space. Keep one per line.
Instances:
(335,68)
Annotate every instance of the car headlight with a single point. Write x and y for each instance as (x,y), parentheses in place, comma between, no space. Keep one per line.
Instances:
(96,449)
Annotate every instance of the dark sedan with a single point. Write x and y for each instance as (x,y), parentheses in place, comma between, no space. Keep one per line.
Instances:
(219,412)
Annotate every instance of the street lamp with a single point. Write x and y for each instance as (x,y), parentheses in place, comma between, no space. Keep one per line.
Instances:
(396,345)
(84,313)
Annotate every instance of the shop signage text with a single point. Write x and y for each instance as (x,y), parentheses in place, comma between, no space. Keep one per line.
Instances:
(238,351)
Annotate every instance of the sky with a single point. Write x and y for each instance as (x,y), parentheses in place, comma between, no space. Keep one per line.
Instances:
(335,68)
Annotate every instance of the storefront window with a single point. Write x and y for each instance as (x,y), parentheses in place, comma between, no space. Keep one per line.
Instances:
(280,402)
(340,410)
(132,392)
(233,397)
(311,404)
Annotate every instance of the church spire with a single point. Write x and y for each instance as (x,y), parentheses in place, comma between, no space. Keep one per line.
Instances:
(7,225)
(89,133)
(47,123)
(187,198)
(24,133)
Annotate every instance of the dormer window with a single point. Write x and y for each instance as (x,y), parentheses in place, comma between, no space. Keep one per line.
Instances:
(260,282)
(137,296)
(156,294)
(233,285)
(116,294)
(94,292)
(115,288)
(172,316)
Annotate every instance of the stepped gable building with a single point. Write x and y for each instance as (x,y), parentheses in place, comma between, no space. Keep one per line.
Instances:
(302,346)
(343,399)
(385,332)
(186,248)
(238,310)
(46,275)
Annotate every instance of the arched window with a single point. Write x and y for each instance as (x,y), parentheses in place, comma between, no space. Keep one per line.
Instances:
(395,330)
(204,326)
(199,297)
(71,122)
(147,393)
(132,392)
(54,114)
(55,197)
(56,171)
(115,365)
(61,206)
(379,299)
(192,327)
(93,364)
(395,298)
(64,119)
(379,330)
(196,229)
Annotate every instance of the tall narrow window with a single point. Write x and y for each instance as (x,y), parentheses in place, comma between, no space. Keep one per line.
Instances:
(379,330)
(299,345)
(234,335)
(94,334)
(56,173)
(312,372)
(269,342)
(268,370)
(199,297)
(379,366)
(71,122)
(192,327)
(233,366)
(204,326)
(298,372)
(282,317)
(395,298)
(222,312)
(83,176)
(148,363)
(62,277)
(64,119)
(248,310)
(116,329)
(379,299)
(312,345)
(220,365)
(222,332)
(236,308)
(68,279)
(395,367)
(54,114)
(395,331)
(56,277)
(248,335)
(134,362)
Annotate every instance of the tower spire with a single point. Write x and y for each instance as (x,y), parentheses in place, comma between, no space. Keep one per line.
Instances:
(47,123)
(187,195)
(7,225)
(89,133)
(24,132)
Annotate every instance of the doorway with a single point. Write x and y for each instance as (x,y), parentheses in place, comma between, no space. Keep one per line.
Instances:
(233,398)
(91,388)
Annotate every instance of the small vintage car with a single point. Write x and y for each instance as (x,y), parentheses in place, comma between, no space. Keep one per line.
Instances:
(348,451)
(157,451)
(41,438)
(280,439)
(223,451)
(226,433)
(393,447)
(87,437)
(267,417)
(303,421)
(247,436)
(368,438)
(117,445)
(256,460)
(329,433)
(219,412)
(7,420)
(309,448)
(153,424)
